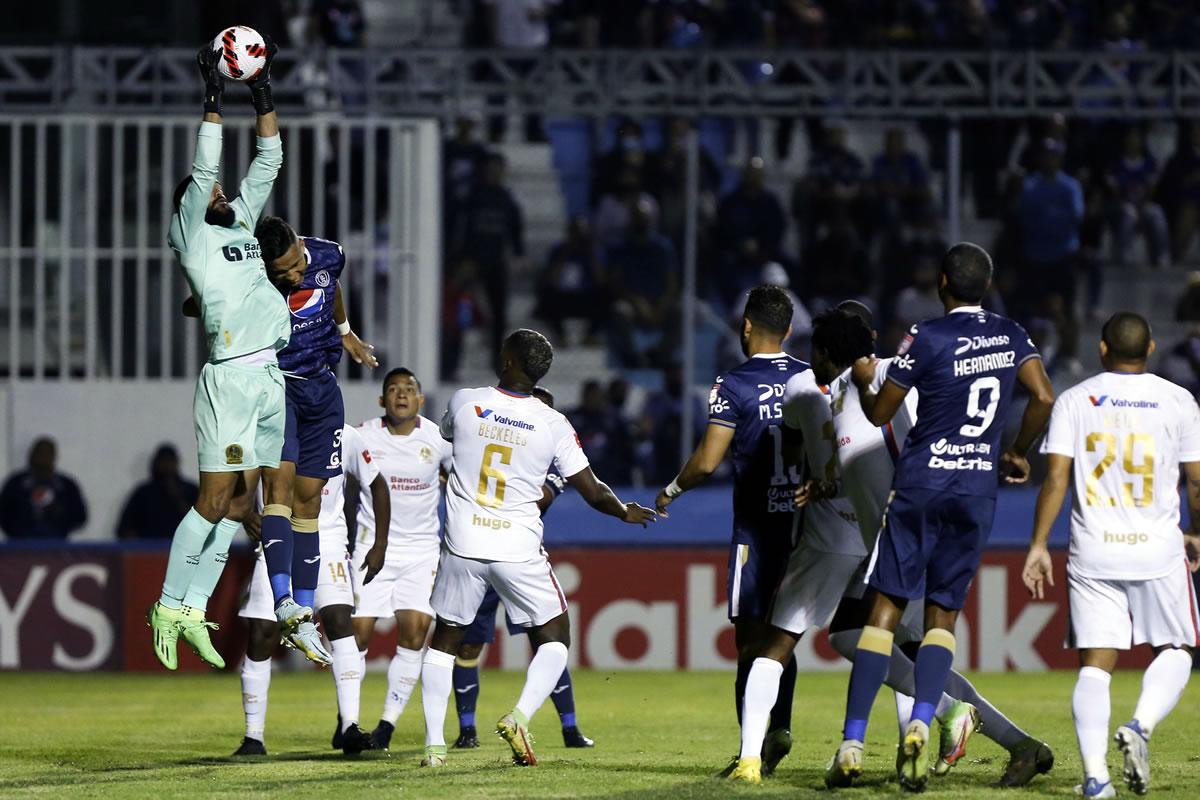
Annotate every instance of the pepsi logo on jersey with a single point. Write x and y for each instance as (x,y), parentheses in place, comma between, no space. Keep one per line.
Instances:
(306,303)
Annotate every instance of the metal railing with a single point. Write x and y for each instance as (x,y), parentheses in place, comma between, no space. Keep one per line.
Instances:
(852,83)
(89,288)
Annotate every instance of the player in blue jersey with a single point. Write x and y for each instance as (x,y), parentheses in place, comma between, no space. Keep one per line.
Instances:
(746,413)
(483,631)
(964,366)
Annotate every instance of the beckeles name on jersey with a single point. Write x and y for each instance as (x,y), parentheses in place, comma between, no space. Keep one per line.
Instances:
(501,433)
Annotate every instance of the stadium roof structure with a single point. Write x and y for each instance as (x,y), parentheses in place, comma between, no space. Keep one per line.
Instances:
(897,84)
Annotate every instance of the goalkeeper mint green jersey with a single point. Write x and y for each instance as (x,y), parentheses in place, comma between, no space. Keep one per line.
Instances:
(242,311)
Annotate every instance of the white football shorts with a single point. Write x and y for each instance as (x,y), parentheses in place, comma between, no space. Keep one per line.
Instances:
(529,589)
(404,583)
(1118,614)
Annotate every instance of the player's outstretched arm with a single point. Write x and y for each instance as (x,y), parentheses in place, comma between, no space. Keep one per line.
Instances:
(360,351)
(599,496)
(704,460)
(1039,567)
(382,505)
(194,202)
(1014,465)
(1191,537)
(268,157)
(878,406)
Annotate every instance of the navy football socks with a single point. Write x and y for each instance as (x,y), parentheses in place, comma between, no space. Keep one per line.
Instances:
(277,549)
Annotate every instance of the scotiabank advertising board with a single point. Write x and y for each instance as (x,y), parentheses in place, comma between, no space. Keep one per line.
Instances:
(660,608)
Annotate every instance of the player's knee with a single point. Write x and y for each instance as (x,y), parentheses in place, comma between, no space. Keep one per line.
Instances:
(260,641)
(469,652)
(336,620)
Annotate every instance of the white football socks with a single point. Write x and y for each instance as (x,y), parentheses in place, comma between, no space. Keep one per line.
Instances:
(762,689)
(542,676)
(1162,685)
(347,677)
(904,707)
(437,681)
(256,682)
(1091,706)
(403,673)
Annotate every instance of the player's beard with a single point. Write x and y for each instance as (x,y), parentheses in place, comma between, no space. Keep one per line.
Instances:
(225,217)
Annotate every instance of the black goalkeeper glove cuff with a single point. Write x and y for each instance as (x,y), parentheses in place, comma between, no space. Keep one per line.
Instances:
(260,95)
(212,97)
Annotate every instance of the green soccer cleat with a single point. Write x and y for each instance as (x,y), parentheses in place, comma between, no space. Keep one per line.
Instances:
(958,725)
(748,770)
(516,734)
(846,765)
(914,766)
(164,622)
(307,640)
(1026,761)
(194,628)
(435,756)
(776,747)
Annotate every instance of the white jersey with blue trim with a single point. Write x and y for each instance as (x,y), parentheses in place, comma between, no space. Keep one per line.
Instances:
(866,454)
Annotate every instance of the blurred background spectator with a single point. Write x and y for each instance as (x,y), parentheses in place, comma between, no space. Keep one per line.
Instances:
(39,502)
(154,508)
(1133,179)
(569,286)
(750,227)
(642,270)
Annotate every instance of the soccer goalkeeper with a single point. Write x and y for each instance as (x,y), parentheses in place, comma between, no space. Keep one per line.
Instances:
(239,403)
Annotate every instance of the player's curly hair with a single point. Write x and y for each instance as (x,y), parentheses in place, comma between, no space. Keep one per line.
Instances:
(843,336)
(274,236)
(531,352)
(769,307)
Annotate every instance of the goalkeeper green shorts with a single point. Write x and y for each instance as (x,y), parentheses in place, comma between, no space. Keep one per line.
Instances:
(239,411)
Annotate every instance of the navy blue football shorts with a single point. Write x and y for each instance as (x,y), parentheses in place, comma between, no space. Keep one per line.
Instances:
(312,437)
(930,545)
(482,629)
(757,561)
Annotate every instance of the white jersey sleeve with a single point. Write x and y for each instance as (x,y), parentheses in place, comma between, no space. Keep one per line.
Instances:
(569,458)
(447,424)
(1127,434)
(356,457)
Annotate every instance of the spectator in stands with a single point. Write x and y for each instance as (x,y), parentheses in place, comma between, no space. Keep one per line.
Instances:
(661,424)
(464,307)
(774,274)
(642,272)
(1036,25)
(491,233)
(905,249)
(569,287)
(627,151)
(463,157)
(750,225)
(1187,307)
(1051,211)
(919,301)
(1132,180)
(837,265)
(339,23)
(602,433)
(40,502)
(666,179)
(899,181)
(1180,189)
(520,26)
(154,508)
(834,182)
(1180,364)
(614,213)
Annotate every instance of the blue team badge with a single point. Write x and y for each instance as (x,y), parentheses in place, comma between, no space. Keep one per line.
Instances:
(306,303)
(322,278)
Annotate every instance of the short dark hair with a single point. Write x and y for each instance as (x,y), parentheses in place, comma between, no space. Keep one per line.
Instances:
(1127,336)
(860,310)
(180,188)
(968,271)
(401,372)
(531,352)
(543,394)
(274,236)
(845,337)
(769,307)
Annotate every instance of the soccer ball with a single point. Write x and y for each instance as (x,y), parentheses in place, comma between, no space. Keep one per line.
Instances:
(243,53)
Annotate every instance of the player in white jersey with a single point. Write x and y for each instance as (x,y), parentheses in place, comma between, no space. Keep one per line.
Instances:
(413,458)
(504,442)
(1118,439)
(334,603)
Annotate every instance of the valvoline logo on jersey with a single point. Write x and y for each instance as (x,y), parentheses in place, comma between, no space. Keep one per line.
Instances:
(1117,402)
(306,303)
(486,413)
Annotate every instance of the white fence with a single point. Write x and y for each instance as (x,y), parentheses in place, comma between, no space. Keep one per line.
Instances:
(89,289)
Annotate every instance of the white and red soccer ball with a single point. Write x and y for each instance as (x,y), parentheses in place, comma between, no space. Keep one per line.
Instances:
(243,53)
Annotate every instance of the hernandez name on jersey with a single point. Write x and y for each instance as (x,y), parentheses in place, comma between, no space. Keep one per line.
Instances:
(315,344)
(749,399)
(964,365)
(503,446)
(1128,434)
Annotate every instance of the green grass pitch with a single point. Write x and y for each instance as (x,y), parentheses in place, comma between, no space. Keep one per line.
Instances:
(658,734)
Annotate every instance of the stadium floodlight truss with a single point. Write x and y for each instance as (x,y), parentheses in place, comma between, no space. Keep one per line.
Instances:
(850,83)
